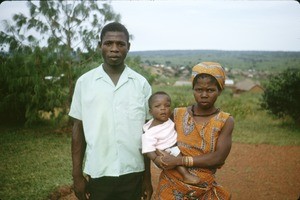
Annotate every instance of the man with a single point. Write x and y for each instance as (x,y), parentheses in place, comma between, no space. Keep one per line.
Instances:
(109,108)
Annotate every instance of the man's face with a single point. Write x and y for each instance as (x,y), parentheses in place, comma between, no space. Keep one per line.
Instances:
(114,48)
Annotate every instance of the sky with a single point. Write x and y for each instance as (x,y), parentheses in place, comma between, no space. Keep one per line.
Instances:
(259,25)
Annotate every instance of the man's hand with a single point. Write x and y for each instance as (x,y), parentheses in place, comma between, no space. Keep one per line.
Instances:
(147,188)
(80,188)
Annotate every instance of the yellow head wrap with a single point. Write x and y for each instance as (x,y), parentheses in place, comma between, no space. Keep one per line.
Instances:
(211,68)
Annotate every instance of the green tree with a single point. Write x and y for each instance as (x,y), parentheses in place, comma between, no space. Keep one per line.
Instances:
(282,94)
(57,40)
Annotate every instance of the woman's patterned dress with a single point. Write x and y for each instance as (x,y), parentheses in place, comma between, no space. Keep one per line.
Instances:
(193,140)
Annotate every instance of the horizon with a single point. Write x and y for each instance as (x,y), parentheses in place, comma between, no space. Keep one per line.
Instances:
(159,25)
(298,51)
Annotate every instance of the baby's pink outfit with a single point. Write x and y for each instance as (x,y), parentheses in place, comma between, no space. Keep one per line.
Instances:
(162,137)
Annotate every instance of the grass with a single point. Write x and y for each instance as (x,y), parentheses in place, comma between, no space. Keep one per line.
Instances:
(34,162)
(263,129)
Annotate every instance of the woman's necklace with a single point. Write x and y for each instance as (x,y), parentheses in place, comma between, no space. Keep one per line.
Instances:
(204,115)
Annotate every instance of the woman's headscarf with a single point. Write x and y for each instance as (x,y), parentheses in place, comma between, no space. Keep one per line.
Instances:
(212,68)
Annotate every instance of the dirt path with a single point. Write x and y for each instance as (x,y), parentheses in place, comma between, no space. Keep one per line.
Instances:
(262,172)
(252,172)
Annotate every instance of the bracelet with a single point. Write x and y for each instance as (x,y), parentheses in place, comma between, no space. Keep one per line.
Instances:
(190,161)
(187,161)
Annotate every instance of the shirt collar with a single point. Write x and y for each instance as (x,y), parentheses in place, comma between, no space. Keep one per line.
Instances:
(100,73)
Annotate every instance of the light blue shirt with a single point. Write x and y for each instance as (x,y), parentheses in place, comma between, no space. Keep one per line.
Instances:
(113,119)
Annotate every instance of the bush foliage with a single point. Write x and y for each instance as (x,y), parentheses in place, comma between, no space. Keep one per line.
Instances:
(282,94)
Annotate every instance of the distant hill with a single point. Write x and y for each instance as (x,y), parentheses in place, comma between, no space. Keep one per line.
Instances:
(274,61)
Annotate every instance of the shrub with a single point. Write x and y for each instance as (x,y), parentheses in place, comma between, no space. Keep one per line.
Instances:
(282,95)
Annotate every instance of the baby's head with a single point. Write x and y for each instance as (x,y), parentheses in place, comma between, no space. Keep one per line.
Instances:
(160,106)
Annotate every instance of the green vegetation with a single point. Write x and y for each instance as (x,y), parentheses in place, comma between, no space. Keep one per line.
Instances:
(282,94)
(33,162)
(47,51)
(242,60)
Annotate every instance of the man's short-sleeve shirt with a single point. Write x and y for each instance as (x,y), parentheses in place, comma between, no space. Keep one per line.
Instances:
(112,117)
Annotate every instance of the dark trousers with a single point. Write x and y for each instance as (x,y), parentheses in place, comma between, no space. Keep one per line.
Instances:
(125,187)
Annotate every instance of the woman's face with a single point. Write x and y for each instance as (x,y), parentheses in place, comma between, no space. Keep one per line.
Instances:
(206,92)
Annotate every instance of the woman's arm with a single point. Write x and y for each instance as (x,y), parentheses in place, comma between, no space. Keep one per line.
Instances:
(218,157)
(210,160)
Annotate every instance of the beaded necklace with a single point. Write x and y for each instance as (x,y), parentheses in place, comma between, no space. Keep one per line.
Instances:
(204,115)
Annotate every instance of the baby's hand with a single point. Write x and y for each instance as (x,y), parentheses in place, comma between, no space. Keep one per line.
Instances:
(161,153)
(158,162)
(161,164)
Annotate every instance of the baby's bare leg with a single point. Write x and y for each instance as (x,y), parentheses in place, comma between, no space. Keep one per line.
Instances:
(187,177)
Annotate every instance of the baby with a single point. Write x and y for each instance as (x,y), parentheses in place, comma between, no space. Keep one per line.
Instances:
(160,134)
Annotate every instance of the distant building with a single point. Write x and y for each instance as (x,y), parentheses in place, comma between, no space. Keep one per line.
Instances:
(229,82)
(181,83)
(248,85)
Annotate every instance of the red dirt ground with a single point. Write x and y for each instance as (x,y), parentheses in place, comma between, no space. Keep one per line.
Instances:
(251,172)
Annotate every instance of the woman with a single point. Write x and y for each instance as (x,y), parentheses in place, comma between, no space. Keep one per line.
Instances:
(204,138)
